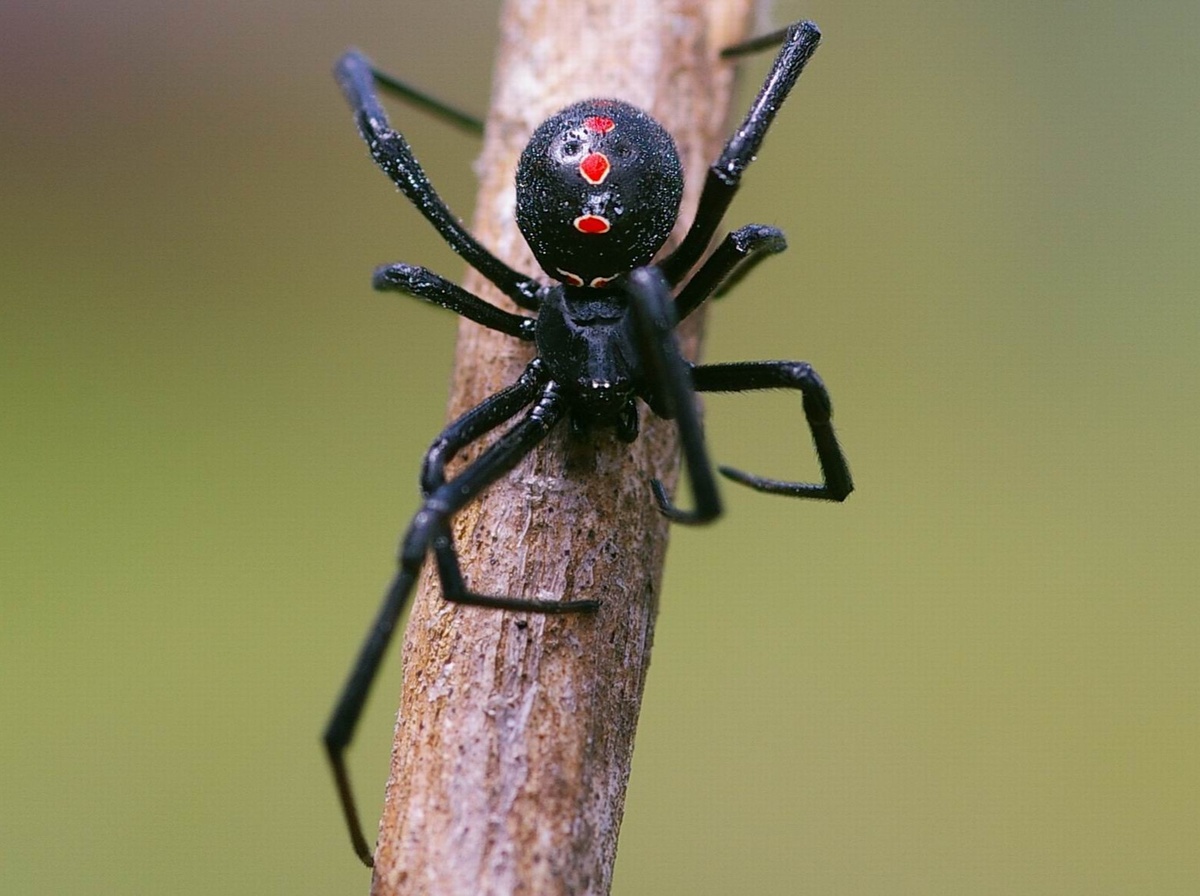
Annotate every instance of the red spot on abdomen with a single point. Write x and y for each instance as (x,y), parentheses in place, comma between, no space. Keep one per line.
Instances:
(599,123)
(594,168)
(592,224)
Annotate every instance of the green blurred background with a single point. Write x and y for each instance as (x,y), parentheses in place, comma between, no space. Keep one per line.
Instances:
(979,675)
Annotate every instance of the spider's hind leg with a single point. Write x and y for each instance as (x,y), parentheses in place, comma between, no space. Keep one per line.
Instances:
(755,44)
(739,253)
(391,152)
(725,175)
(416,97)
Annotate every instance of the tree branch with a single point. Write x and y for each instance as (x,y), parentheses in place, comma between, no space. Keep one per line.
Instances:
(515,731)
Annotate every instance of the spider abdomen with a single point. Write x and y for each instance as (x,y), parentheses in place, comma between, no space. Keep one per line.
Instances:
(598,191)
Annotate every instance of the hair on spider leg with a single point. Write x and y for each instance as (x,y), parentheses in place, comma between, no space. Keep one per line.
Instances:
(598,190)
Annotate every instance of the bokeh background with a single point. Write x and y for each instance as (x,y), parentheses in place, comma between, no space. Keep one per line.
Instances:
(979,675)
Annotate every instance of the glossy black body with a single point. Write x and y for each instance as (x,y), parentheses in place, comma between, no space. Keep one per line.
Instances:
(588,341)
(598,192)
(639,197)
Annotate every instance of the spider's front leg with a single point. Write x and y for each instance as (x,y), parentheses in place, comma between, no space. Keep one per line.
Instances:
(430,528)
(458,435)
(672,394)
(818,410)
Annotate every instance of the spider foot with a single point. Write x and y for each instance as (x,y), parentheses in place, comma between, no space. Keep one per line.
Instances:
(525,604)
(783,487)
(755,44)
(673,513)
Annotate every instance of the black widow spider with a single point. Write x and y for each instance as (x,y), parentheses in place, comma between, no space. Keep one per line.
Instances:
(598,192)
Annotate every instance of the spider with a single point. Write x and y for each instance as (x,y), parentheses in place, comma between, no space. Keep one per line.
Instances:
(598,190)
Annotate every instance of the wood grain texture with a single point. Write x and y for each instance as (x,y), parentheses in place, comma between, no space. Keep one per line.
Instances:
(515,731)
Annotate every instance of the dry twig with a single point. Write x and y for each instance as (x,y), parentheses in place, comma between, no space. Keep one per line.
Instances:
(515,733)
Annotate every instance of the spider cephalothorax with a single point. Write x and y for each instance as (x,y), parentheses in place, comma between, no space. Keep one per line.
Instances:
(598,190)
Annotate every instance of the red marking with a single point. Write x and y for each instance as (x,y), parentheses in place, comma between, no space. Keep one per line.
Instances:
(595,168)
(592,224)
(599,124)
(602,281)
(571,279)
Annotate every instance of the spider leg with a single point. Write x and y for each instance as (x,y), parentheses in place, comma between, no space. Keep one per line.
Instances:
(482,418)
(732,260)
(428,528)
(724,176)
(470,426)
(740,377)
(754,44)
(348,709)
(673,395)
(431,104)
(393,154)
(424,284)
